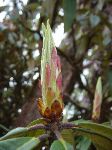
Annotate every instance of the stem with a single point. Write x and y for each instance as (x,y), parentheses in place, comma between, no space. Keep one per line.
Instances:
(58,134)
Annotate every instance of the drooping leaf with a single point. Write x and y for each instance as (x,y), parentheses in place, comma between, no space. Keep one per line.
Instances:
(69,13)
(98,133)
(61,145)
(99,128)
(97,140)
(23,143)
(15,133)
(23,132)
(83,143)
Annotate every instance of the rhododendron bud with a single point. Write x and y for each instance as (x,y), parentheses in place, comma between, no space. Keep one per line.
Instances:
(97,100)
(51,104)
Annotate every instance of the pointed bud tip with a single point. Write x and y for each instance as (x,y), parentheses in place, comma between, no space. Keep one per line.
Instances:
(99,86)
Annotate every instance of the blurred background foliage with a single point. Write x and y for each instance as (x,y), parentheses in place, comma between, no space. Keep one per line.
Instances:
(85,51)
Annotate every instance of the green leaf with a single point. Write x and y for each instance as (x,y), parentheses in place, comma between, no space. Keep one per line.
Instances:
(61,145)
(108,124)
(99,128)
(68,136)
(23,143)
(15,133)
(96,132)
(99,147)
(21,131)
(96,139)
(81,121)
(35,133)
(37,121)
(4,128)
(83,143)
(69,13)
